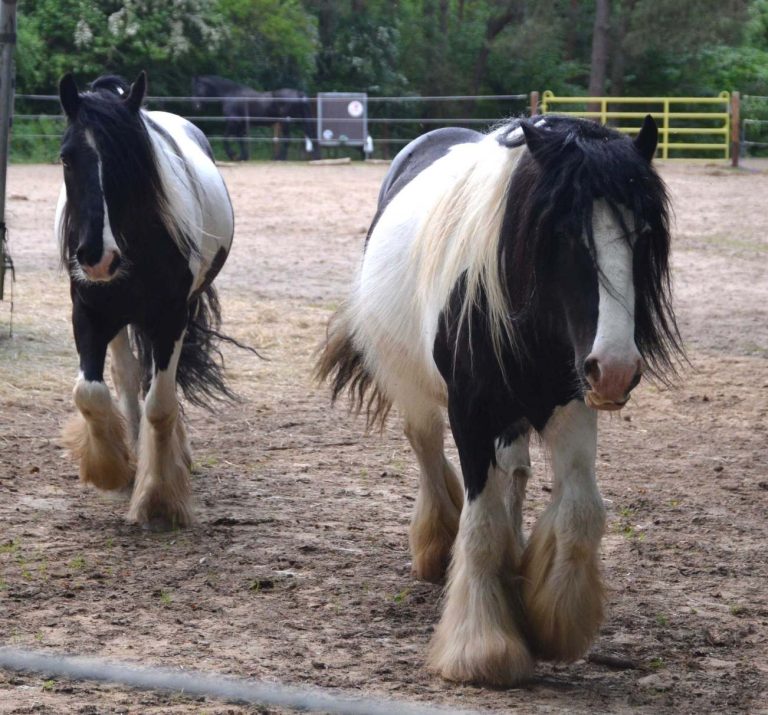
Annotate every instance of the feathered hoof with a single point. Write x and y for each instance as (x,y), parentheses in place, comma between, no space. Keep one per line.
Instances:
(563,597)
(152,511)
(100,449)
(495,659)
(431,564)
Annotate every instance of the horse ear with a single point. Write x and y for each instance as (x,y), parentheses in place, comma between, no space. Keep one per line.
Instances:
(646,141)
(535,138)
(138,90)
(69,95)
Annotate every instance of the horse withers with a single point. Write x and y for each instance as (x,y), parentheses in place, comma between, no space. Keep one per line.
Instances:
(519,279)
(244,107)
(145,224)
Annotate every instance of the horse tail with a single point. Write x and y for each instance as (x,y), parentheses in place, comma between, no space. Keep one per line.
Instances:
(342,363)
(200,372)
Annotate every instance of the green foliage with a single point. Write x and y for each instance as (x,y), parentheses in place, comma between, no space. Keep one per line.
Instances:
(413,47)
(91,37)
(269,43)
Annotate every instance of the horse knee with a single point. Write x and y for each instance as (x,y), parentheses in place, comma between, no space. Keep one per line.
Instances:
(161,414)
(92,398)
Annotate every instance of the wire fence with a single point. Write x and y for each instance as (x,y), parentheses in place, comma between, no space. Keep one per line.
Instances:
(754,125)
(198,684)
(393,121)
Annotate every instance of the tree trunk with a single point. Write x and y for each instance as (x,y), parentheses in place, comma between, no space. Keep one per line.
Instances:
(509,12)
(618,55)
(599,66)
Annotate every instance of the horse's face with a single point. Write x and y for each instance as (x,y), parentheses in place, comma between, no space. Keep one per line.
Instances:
(92,249)
(610,321)
(598,302)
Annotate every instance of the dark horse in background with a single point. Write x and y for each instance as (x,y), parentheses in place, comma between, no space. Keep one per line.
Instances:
(244,107)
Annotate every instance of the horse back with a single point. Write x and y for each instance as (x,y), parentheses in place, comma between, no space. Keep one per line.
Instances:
(414,158)
(197,195)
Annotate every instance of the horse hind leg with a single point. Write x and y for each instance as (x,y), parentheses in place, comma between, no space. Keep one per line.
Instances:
(435,518)
(126,375)
(162,493)
(96,437)
(562,592)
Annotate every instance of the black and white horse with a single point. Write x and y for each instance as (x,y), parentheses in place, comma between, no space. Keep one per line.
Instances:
(519,279)
(244,107)
(145,224)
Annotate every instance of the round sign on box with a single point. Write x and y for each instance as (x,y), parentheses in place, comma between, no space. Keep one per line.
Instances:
(328,134)
(355,108)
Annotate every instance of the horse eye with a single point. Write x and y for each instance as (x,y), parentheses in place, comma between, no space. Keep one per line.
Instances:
(65,162)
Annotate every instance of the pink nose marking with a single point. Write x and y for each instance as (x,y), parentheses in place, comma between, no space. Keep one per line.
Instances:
(101,272)
(611,378)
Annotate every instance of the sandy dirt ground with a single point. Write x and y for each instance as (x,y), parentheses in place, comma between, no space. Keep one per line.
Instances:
(297,570)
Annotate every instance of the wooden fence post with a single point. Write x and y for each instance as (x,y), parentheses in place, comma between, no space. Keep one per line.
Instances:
(735,128)
(534,103)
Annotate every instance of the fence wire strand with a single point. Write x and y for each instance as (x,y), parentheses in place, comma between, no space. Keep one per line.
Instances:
(197,684)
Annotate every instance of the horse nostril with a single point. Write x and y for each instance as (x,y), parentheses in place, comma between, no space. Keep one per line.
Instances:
(635,381)
(116,261)
(592,368)
(80,255)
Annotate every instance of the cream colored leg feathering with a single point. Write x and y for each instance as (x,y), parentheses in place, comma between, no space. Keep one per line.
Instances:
(162,494)
(96,437)
(563,592)
(438,504)
(478,638)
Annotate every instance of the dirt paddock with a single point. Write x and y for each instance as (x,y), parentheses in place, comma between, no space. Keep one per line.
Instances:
(297,570)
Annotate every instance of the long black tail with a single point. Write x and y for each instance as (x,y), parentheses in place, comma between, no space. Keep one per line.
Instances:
(200,372)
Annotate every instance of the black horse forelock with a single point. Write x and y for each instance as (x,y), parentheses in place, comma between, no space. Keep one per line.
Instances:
(551,199)
(132,183)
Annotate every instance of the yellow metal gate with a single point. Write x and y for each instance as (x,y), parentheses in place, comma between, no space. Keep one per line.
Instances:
(686,124)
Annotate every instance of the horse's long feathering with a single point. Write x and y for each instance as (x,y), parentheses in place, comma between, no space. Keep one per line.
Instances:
(462,232)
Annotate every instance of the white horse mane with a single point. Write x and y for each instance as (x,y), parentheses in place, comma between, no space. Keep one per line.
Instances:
(461,232)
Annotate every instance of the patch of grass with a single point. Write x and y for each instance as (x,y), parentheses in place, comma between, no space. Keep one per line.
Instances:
(662,620)
(165,597)
(656,663)
(11,547)
(77,563)
(400,597)
(737,609)
(48,685)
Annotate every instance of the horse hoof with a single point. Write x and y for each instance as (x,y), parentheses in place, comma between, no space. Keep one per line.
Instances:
(498,660)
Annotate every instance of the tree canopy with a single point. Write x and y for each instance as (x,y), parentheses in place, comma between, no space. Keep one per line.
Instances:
(419,47)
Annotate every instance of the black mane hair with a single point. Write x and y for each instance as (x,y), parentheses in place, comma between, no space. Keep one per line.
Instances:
(133,177)
(570,164)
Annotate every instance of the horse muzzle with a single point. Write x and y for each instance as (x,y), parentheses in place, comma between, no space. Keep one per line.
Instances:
(611,381)
(105,269)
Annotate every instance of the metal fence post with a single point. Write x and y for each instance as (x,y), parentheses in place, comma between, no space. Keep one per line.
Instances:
(7,44)
(735,128)
(534,103)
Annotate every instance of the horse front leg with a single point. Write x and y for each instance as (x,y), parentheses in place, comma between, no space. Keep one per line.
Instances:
(162,494)
(478,638)
(96,435)
(563,592)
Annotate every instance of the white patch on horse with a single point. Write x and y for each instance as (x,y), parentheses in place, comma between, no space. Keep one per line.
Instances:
(616,320)
(199,213)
